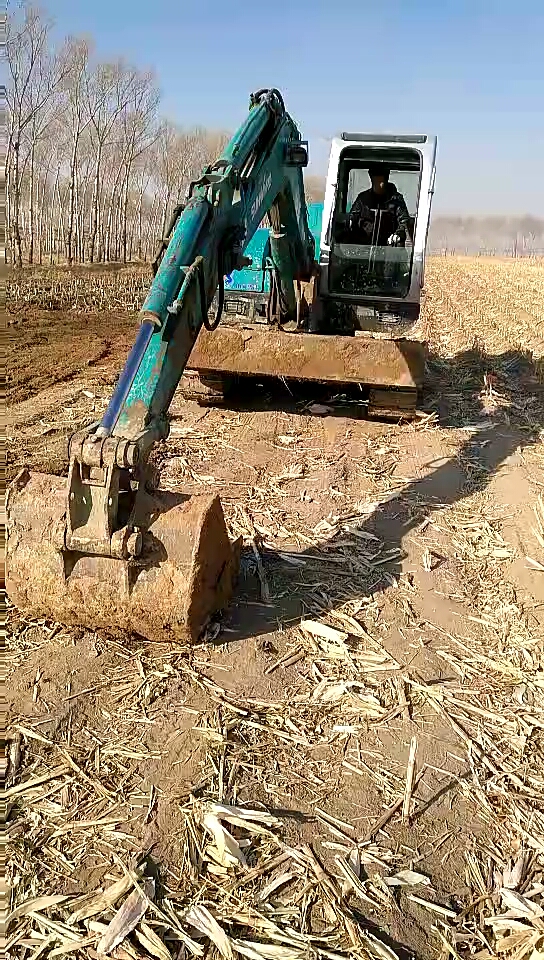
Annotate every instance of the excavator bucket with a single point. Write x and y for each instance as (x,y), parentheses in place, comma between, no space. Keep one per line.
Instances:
(392,370)
(184,573)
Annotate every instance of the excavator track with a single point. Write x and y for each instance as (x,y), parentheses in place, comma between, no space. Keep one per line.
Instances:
(209,390)
(392,404)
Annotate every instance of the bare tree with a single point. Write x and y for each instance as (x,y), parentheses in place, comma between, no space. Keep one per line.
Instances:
(35,74)
(513,236)
(77,118)
(108,91)
(139,122)
(91,172)
(167,174)
(143,174)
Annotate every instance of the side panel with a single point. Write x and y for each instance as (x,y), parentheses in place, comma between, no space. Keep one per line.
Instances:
(254,279)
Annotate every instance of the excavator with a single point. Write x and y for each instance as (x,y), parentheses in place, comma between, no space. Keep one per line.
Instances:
(106,547)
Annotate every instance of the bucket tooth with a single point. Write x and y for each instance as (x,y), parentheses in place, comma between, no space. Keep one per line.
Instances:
(185,573)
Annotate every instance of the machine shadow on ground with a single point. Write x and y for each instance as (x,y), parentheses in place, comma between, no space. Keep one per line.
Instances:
(454,388)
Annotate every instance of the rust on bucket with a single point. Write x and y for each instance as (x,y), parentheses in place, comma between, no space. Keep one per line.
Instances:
(185,573)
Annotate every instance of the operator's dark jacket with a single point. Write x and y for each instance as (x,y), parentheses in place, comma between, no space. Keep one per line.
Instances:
(373,228)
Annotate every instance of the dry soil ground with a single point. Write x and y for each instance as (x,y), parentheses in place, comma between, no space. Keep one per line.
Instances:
(391,601)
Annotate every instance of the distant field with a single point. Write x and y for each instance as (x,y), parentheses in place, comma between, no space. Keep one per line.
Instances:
(499,299)
(495,304)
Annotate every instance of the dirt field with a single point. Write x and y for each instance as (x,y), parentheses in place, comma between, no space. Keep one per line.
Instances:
(390,606)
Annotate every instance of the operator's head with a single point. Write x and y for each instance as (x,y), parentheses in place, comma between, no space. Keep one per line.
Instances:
(379,176)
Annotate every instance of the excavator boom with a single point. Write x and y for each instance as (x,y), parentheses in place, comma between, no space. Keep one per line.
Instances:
(104,547)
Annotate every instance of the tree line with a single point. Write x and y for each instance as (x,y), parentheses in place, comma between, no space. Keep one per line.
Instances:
(92,169)
(496,235)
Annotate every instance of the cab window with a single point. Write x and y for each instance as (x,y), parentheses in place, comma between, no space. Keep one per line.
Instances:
(373,223)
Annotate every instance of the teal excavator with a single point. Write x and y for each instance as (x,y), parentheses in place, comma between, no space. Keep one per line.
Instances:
(106,547)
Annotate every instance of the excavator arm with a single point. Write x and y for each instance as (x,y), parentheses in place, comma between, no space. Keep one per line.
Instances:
(258,173)
(106,548)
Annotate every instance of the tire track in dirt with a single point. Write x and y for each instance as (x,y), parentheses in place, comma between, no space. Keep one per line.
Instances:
(48,347)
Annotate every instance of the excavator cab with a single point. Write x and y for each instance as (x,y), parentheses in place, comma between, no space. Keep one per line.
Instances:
(373,247)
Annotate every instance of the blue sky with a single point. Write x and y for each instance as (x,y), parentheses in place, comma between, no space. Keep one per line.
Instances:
(471,71)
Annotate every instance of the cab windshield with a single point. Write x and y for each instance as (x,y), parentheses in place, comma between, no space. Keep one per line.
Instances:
(373,223)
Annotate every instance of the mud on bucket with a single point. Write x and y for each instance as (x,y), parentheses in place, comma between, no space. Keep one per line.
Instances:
(185,573)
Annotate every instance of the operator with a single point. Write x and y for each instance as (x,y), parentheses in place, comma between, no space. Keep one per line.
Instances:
(379,215)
